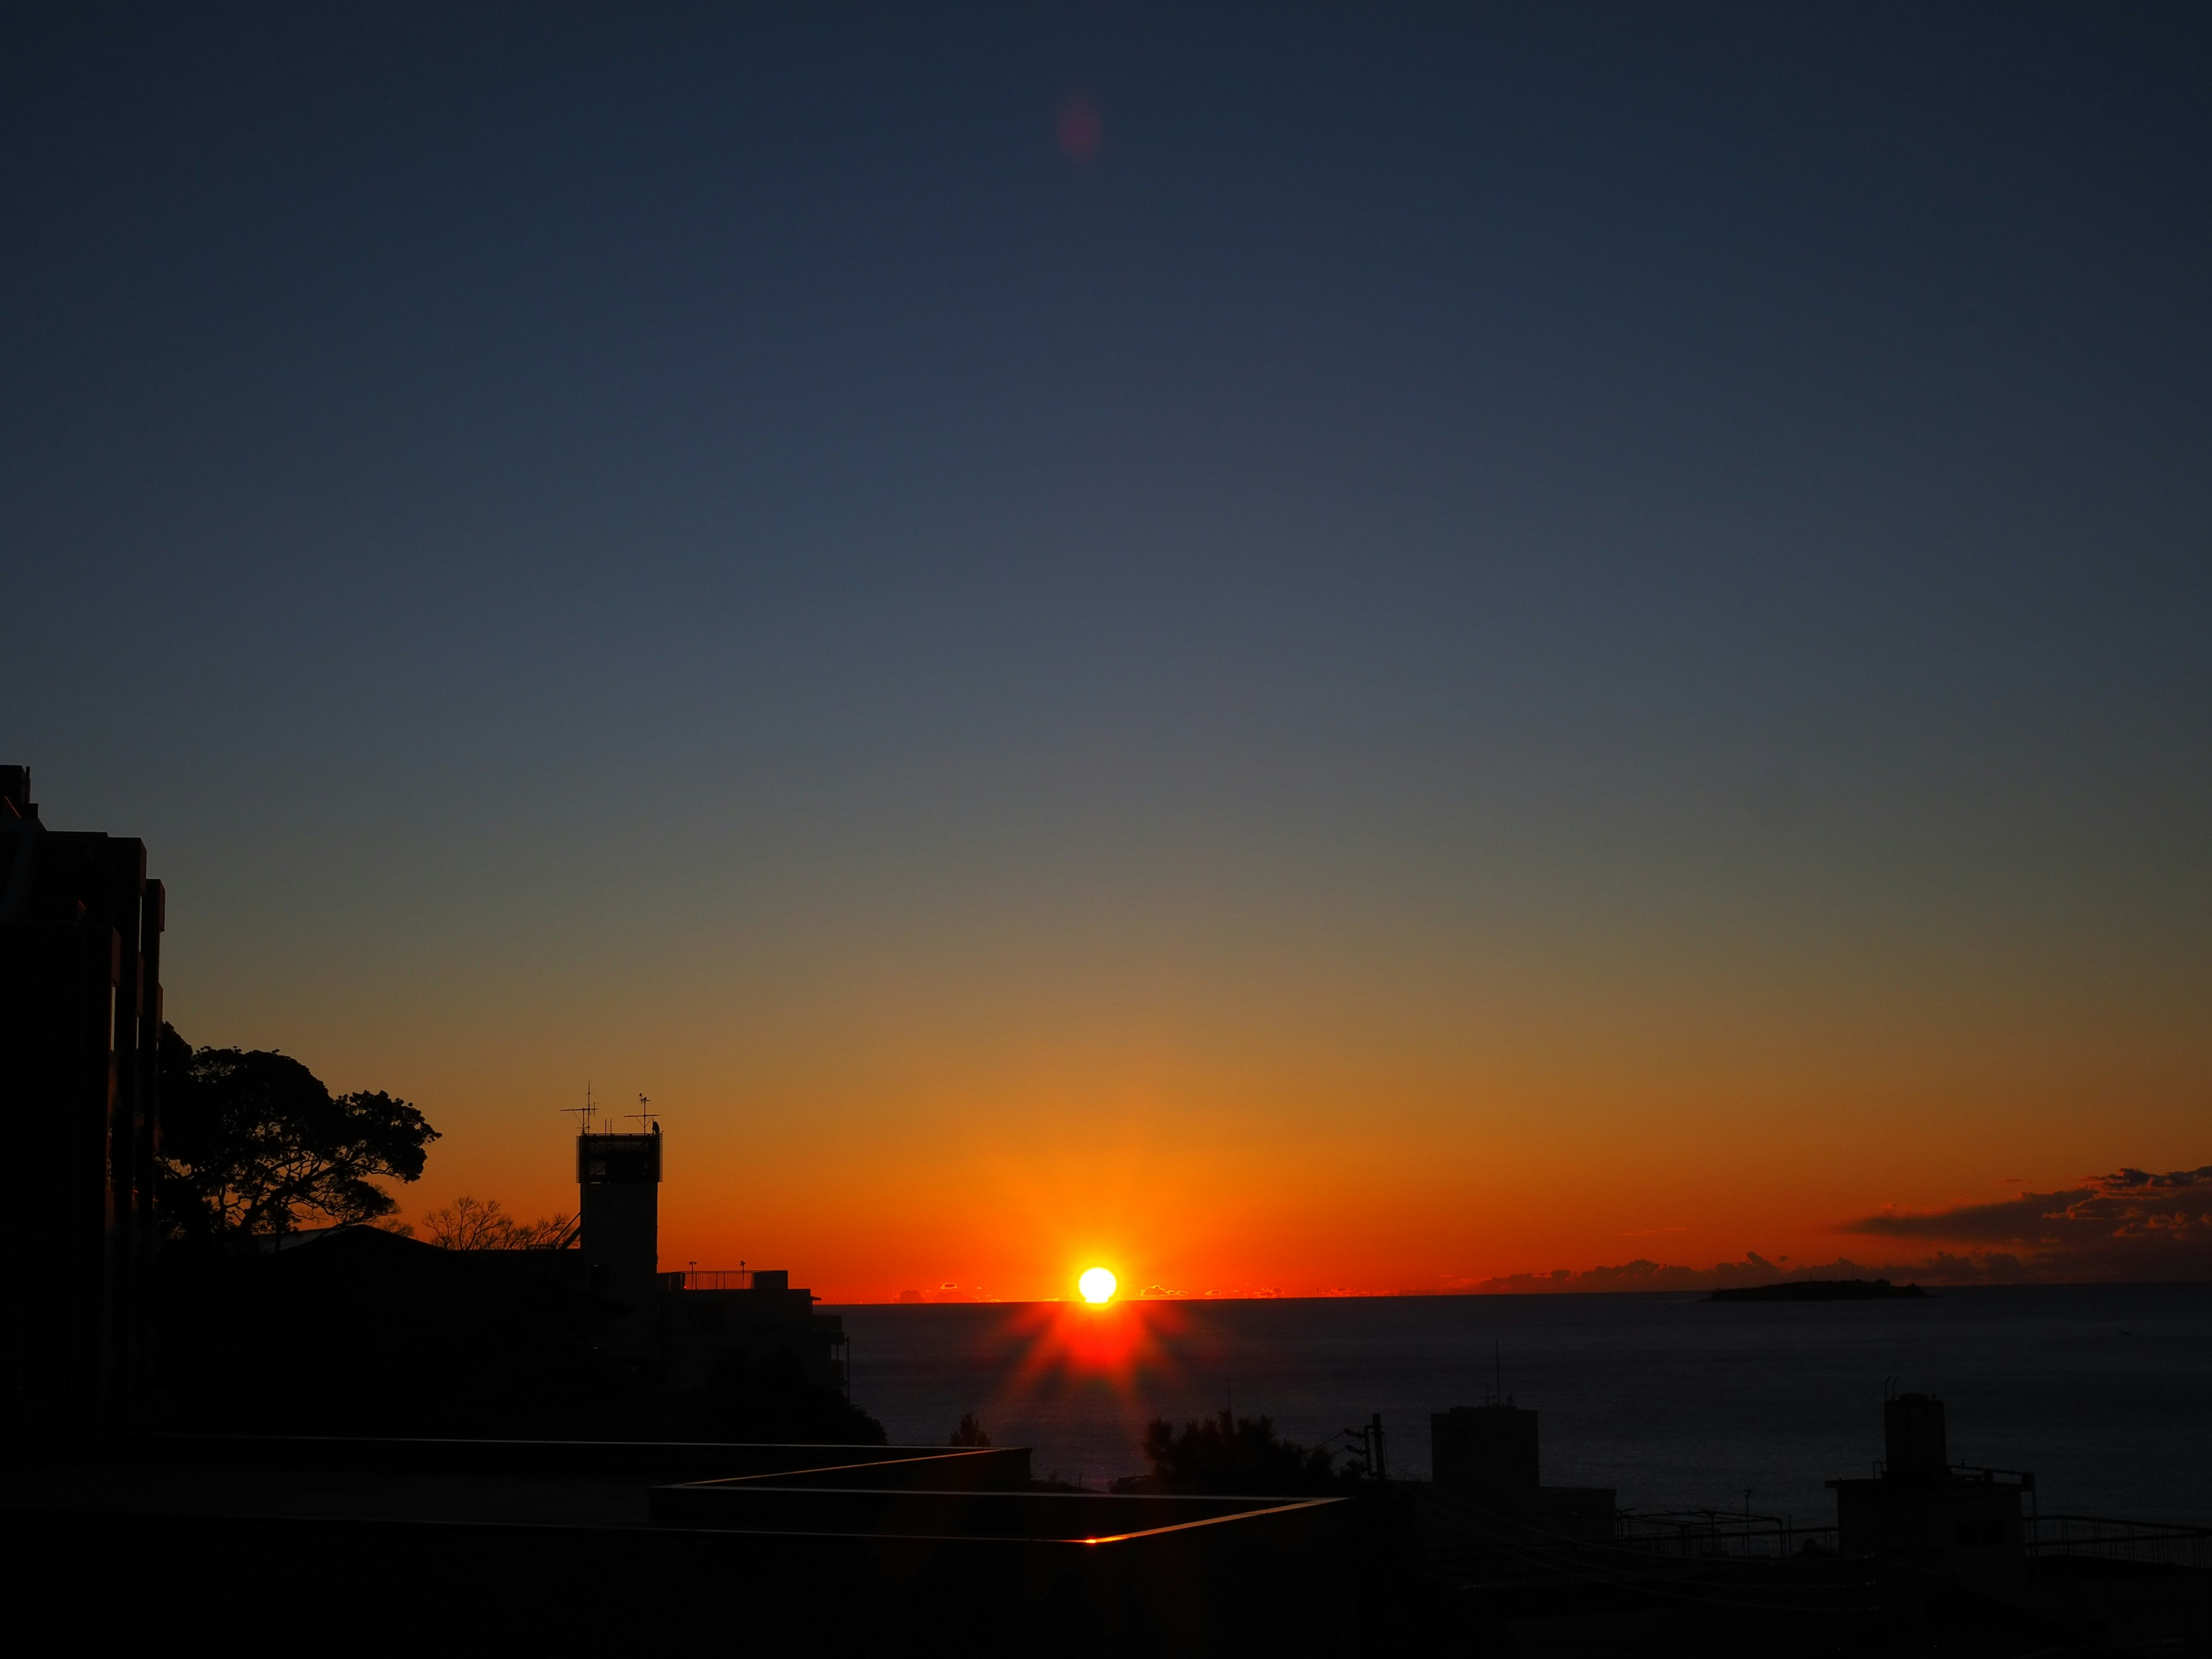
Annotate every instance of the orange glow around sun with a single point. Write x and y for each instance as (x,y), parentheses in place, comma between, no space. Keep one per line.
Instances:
(1098,1285)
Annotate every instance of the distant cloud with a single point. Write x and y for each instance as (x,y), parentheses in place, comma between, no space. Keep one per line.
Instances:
(2130,1226)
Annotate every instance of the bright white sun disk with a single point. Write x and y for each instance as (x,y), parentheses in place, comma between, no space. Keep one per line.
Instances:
(1097,1286)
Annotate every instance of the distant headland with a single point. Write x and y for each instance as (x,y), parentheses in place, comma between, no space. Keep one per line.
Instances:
(1819,1289)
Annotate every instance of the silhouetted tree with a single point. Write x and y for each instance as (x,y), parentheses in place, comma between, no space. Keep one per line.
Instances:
(478,1223)
(253,1143)
(1244,1456)
(969,1433)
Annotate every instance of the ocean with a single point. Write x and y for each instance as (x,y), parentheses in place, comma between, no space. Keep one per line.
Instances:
(2104,1391)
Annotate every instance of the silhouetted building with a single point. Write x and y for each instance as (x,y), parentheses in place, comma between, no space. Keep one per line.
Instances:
(1960,1521)
(760,1320)
(687,1324)
(618,1206)
(80,1025)
(1484,1456)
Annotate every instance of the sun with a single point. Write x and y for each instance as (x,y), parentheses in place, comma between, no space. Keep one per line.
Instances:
(1096,1285)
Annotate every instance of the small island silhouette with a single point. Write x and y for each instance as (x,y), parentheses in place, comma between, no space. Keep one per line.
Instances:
(1819,1289)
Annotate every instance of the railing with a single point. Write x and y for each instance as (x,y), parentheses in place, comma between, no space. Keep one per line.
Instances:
(1710,1534)
(2024,1478)
(710,1278)
(1754,1565)
(2153,1543)
(1705,1534)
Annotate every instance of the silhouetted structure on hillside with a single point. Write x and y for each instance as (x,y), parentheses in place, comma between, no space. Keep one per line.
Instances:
(1485,1457)
(687,1326)
(80,1025)
(1959,1521)
(618,1204)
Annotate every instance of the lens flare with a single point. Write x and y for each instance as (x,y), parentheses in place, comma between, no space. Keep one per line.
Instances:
(1097,1286)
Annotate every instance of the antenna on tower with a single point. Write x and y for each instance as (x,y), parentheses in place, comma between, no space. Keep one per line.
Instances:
(649,1119)
(584,1112)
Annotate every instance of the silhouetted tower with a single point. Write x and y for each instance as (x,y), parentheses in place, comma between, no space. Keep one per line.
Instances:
(1912,1437)
(79,1041)
(1953,1521)
(1486,1455)
(619,1205)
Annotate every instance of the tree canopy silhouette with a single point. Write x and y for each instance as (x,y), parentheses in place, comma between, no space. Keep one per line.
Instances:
(1242,1455)
(479,1223)
(253,1143)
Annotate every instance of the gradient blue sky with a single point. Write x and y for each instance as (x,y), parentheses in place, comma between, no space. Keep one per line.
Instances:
(1496,632)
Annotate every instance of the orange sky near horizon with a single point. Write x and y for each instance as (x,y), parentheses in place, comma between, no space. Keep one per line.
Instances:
(1299,1121)
(1471,642)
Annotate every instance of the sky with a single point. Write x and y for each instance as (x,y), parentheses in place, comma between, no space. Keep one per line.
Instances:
(1294,649)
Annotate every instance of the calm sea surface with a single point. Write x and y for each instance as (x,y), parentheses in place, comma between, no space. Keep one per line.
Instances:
(2105,1392)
